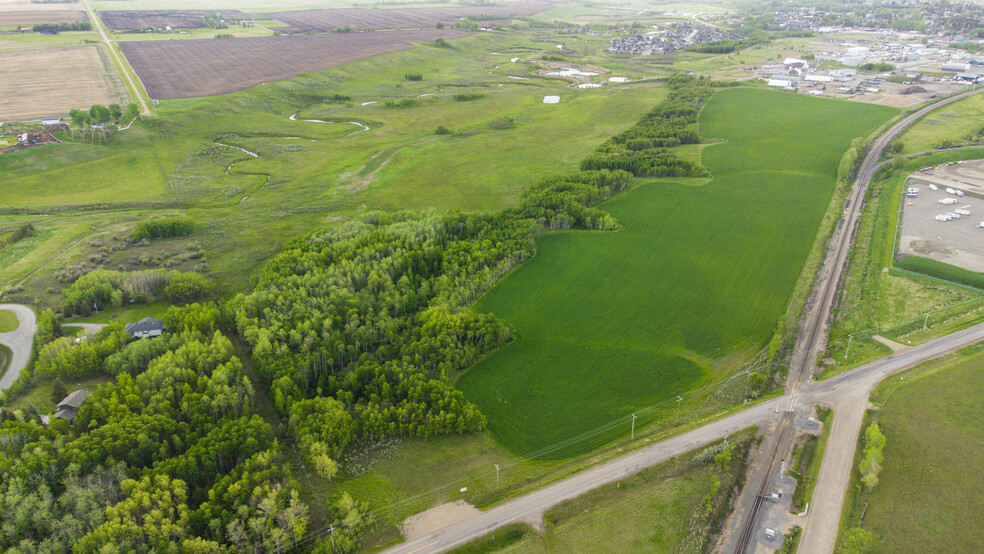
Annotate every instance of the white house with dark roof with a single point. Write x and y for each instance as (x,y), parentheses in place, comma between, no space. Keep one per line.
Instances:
(146,327)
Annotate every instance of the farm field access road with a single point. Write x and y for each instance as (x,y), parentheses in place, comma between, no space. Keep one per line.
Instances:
(530,507)
(19,341)
(121,64)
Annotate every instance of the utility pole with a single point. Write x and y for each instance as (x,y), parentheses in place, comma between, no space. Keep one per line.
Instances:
(679,400)
(496,476)
(848,351)
(331,533)
(633,427)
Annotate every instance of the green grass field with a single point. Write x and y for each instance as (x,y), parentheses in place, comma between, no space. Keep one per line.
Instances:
(950,122)
(928,496)
(8,321)
(611,322)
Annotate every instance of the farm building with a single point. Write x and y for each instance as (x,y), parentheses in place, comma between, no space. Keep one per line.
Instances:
(779,83)
(68,407)
(47,122)
(795,63)
(819,78)
(146,327)
(955,67)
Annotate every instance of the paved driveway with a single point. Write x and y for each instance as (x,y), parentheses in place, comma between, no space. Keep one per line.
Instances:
(19,341)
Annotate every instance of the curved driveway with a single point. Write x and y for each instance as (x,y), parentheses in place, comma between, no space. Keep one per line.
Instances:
(19,341)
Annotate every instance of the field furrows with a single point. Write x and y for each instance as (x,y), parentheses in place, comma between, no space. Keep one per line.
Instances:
(322,20)
(193,68)
(32,17)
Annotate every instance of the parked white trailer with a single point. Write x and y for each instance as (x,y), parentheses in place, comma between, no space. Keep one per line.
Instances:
(958,211)
(980,225)
(933,187)
(950,191)
(947,201)
(958,192)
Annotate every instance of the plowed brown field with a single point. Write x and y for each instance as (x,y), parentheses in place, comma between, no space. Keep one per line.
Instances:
(32,17)
(306,21)
(193,68)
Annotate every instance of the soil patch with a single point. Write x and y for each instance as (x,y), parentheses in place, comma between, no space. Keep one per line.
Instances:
(929,247)
(912,90)
(208,67)
(437,518)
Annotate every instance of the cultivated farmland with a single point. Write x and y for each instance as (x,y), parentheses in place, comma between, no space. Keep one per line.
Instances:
(73,77)
(188,69)
(305,21)
(32,17)
(125,20)
(704,274)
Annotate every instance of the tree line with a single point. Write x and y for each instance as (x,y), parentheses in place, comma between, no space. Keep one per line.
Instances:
(642,150)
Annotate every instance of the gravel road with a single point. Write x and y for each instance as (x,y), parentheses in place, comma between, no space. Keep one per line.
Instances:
(19,341)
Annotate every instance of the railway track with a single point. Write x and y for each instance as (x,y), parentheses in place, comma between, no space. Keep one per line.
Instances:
(814,332)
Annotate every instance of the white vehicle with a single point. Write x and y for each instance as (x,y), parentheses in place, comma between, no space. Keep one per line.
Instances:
(959,193)
(933,187)
(952,215)
(967,207)
(942,217)
(980,225)
(947,201)
(950,191)
(958,211)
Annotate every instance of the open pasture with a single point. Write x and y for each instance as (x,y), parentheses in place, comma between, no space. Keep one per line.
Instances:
(320,21)
(928,495)
(193,68)
(32,17)
(73,77)
(704,274)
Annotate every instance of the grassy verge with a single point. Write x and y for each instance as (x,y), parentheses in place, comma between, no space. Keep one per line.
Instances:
(501,538)
(927,495)
(674,506)
(808,457)
(6,355)
(8,321)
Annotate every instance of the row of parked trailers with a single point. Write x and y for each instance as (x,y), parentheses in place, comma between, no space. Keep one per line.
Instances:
(913,192)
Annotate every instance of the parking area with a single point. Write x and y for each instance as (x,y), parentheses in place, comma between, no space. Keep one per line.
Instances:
(944,225)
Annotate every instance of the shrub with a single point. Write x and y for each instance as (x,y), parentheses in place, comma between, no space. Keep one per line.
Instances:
(402,103)
(442,130)
(501,123)
(414,76)
(467,96)
(163,228)
(185,287)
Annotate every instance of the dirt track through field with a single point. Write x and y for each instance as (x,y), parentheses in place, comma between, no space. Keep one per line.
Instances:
(194,68)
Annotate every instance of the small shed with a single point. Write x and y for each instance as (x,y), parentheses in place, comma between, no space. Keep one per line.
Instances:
(146,327)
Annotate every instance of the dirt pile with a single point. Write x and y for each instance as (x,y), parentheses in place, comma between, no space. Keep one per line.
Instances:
(912,90)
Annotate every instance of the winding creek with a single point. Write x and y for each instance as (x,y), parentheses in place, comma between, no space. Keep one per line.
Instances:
(362,128)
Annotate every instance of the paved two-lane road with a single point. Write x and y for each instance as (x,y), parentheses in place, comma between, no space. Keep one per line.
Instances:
(19,341)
